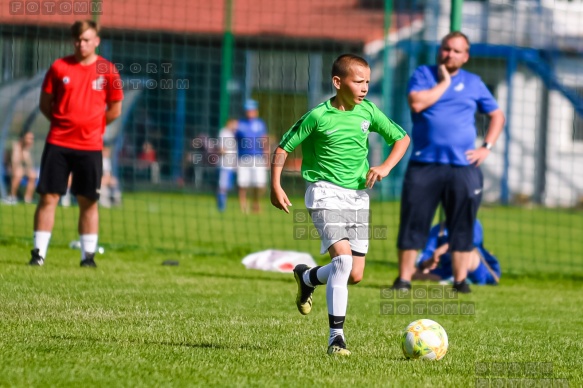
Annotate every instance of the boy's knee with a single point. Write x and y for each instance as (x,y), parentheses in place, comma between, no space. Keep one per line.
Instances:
(355,279)
(343,263)
(357,272)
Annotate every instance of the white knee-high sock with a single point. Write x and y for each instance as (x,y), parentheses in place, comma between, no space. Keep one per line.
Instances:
(88,244)
(337,294)
(41,242)
(322,274)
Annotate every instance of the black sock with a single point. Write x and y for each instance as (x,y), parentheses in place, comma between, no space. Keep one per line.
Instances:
(336,322)
(313,274)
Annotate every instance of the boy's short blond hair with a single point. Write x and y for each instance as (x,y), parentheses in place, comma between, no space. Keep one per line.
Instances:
(80,26)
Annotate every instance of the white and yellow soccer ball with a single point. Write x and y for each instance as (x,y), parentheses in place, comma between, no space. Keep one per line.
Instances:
(424,339)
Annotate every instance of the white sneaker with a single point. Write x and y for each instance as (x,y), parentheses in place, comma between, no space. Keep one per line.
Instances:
(66,200)
(10,200)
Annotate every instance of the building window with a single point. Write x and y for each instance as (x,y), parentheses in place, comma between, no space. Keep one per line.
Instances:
(577,127)
(578,119)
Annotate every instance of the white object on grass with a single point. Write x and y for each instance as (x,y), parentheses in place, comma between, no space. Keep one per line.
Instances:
(277,261)
(76,244)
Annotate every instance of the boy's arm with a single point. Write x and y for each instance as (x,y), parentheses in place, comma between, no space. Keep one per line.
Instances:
(46,104)
(47,94)
(432,263)
(278,196)
(430,258)
(113,111)
(376,174)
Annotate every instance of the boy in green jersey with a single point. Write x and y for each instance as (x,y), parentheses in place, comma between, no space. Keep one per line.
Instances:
(334,138)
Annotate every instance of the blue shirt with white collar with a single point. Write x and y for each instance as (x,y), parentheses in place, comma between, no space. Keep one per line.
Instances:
(443,132)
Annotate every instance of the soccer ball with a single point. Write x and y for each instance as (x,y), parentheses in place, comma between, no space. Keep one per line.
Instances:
(424,339)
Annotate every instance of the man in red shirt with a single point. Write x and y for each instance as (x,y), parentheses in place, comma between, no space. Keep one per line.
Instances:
(80,95)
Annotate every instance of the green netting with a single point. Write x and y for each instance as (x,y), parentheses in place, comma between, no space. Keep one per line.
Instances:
(179,90)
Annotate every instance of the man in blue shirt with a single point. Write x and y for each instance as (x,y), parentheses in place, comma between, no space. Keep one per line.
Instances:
(253,156)
(444,164)
(434,262)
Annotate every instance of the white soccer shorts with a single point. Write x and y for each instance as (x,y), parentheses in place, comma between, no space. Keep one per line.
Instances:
(252,172)
(339,213)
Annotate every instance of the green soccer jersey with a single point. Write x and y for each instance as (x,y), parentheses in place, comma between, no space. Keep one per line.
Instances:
(335,142)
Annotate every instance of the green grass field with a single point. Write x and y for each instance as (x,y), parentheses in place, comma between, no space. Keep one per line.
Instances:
(209,321)
(537,242)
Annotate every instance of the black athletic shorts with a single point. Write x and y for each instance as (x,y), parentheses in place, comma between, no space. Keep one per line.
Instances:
(58,162)
(458,188)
